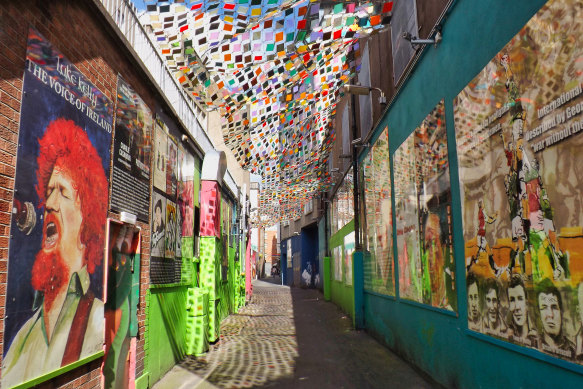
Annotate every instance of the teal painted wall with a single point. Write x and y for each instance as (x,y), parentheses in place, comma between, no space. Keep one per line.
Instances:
(340,293)
(439,342)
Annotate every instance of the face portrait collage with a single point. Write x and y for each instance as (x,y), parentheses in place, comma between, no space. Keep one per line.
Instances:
(518,134)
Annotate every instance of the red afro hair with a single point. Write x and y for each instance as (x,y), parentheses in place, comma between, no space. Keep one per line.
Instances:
(66,145)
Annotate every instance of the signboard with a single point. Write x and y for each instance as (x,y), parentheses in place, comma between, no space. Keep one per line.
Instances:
(130,188)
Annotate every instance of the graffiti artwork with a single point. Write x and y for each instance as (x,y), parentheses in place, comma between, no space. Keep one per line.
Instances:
(423,200)
(54,309)
(518,131)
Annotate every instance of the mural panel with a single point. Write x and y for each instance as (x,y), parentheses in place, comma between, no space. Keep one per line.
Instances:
(518,132)
(423,198)
(377,218)
(123,294)
(54,309)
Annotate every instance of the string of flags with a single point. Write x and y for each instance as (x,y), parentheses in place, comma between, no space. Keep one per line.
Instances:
(275,70)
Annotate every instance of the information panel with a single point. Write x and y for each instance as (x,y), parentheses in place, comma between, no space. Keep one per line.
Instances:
(130,186)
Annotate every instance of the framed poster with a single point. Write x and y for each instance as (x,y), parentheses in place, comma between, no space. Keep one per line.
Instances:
(57,238)
(158,224)
(337,251)
(426,249)
(407,218)
(159,161)
(349,244)
(185,198)
(171,235)
(171,168)
(377,218)
(519,141)
(130,187)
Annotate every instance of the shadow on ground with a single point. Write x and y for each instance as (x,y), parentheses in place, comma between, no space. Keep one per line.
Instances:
(292,338)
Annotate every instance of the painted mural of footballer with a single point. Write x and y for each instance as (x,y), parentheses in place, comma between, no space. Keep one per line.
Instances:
(68,322)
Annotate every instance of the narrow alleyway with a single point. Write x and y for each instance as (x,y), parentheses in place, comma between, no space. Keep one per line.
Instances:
(292,338)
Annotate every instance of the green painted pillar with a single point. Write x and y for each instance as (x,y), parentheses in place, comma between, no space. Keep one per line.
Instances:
(358,284)
(327,279)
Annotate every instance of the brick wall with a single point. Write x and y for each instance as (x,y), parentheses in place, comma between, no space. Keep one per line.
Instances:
(76,29)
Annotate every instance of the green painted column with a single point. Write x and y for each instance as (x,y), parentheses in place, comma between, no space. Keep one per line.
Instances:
(327,279)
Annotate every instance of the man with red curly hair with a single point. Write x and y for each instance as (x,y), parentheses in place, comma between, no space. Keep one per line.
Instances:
(68,325)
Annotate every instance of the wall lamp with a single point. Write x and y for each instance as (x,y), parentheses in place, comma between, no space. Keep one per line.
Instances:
(416,41)
(357,143)
(365,90)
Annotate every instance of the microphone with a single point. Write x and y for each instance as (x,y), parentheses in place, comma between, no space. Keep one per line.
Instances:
(25,216)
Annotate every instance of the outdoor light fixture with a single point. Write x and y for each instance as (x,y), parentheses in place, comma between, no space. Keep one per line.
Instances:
(416,41)
(357,143)
(365,90)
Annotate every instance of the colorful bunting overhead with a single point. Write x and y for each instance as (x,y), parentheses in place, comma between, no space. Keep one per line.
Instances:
(274,69)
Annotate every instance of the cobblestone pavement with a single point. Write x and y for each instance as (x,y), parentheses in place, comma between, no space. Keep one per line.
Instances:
(257,345)
(292,338)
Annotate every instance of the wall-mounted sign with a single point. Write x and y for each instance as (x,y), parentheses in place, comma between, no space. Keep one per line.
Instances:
(130,188)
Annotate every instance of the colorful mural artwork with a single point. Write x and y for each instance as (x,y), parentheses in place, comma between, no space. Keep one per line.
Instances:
(54,298)
(518,131)
(423,201)
(123,256)
(377,218)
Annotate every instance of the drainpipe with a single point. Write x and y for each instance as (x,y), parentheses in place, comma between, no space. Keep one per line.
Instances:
(355,177)
(357,257)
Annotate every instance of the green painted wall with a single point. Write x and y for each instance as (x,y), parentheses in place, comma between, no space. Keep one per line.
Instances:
(340,293)
(439,342)
(166,329)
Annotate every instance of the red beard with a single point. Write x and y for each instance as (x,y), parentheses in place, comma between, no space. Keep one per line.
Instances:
(49,275)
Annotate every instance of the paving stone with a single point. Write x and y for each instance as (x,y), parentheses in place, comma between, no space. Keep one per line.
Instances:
(292,338)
